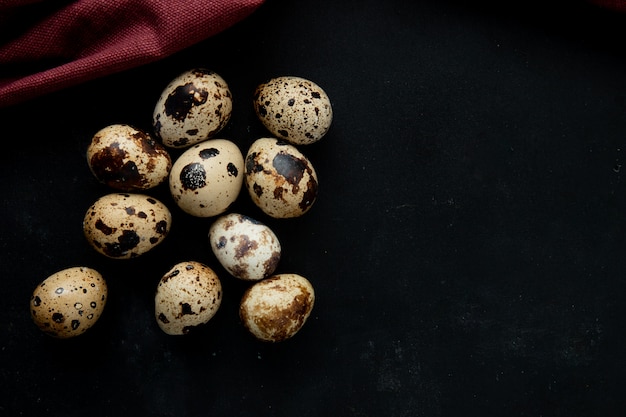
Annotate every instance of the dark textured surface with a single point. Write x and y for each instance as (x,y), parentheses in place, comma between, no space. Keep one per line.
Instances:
(467,245)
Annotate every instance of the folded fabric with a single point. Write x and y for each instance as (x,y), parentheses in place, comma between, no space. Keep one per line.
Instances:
(47,45)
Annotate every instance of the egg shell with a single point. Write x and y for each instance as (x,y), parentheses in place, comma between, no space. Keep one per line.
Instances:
(193,107)
(280,180)
(128,159)
(207,178)
(187,296)
(69,302)
(294,109)
(123,226)
(276,308)
(245,247)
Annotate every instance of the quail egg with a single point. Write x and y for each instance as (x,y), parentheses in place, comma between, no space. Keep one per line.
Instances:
(245,247)
(207,178)
(126,158)
(123,226)
(193,107)
(294,109)
(281,180)
(69,302)
(276,308)
(187,296)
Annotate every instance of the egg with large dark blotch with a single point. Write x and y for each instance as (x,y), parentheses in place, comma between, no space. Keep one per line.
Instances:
(127,158)
(207,178)
(123,226)
(193,107)
(280,179)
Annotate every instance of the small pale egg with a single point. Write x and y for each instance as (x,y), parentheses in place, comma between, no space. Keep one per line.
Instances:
(69,302)
(207,178)
(193,107)
(276,308)
(124,226)
(294,109)
(246,248)
(280,180)
(126,158)
(187,296)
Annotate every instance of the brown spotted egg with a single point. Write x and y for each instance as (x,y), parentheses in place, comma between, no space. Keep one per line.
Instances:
(207,178)
(69,302)
(280,180)
(124,226)
(193,107)
(245,247)
(126,158)
(187,296)
(276,308)
(294,109)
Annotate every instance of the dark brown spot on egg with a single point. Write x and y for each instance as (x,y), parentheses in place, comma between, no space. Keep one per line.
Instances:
(75,324)
(193,176)
(283,132)
(185,309)
(232,169)
(270,264)
(127,241)
(184,97)
(244,246)
(208,153)
(36,301)
(221,243)
(258,190)
(316,94)
(161,227)
(170,275)
(290,167)
(142,215)
(180,142)
(103,228)
(130,210)
(252,166)
(163,318)
(192,132)
(58,318)
(291,102)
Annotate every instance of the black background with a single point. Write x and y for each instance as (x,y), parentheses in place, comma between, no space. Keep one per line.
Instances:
(467,245)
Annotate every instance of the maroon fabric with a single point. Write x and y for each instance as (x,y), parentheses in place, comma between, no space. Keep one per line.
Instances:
(48,45)
(617,5)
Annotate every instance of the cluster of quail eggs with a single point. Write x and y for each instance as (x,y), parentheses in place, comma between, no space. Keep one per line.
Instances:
(204,180)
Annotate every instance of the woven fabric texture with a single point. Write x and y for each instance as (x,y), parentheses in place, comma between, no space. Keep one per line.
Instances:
(48,45)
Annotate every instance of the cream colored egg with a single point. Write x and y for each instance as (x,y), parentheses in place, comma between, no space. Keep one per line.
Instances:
(126,158)
(193,107)
(69,302)
(280,180)
(124,226)
(294,109)
(245,247)
(187,296)
(276,308)
(207,178)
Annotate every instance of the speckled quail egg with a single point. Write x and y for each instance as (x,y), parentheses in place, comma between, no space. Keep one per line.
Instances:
(280,180)
(207,178)
(187,296)
(126,158)
(294,109)
(124,226)
(69,302)
(193,107)
(276,308)
(245,247)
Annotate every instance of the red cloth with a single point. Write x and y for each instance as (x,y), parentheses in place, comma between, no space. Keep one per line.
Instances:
(617,5)
(47,45)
